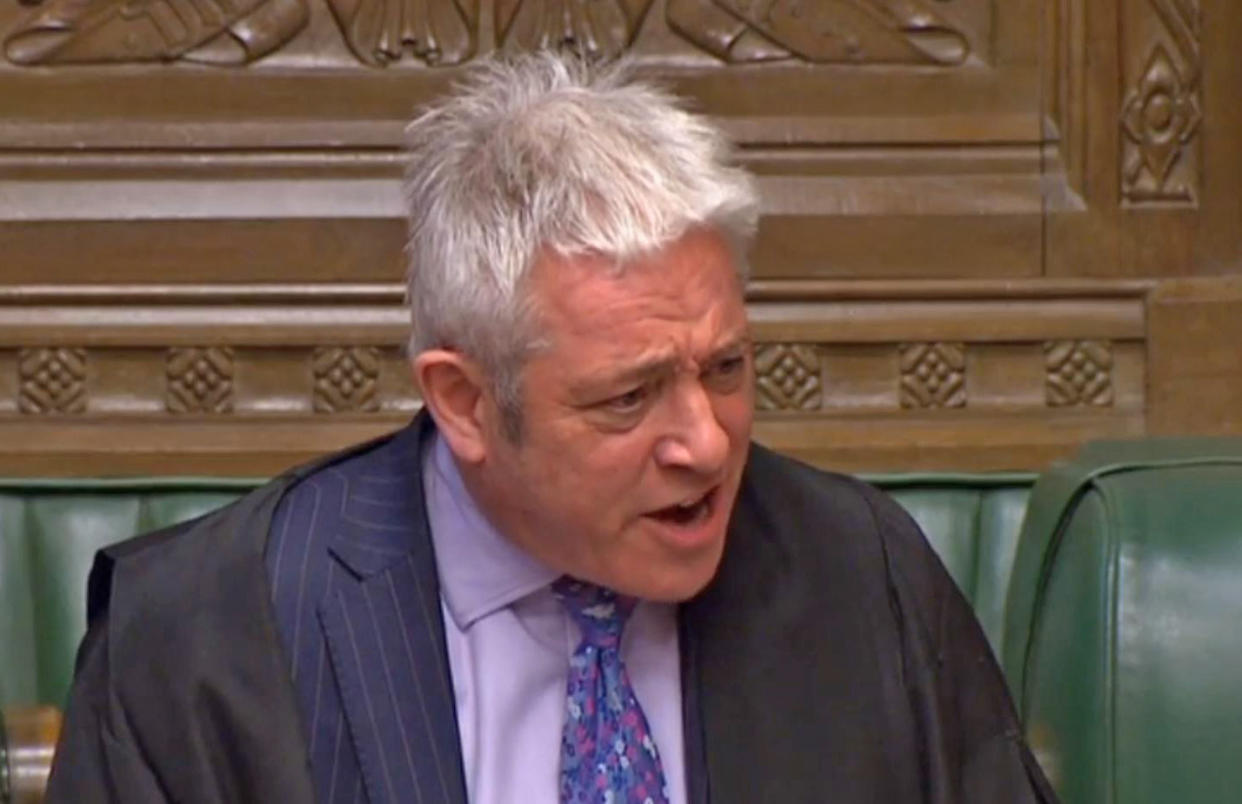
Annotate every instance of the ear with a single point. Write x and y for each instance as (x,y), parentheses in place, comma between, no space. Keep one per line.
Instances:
(454,392)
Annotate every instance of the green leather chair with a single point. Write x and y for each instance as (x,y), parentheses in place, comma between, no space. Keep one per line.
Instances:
(973,522)
(49,532)
(1123,641)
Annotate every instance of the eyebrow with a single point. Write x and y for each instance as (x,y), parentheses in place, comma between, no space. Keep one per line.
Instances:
(658,365)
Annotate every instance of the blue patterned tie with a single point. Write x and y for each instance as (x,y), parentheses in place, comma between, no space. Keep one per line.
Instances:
(608,755)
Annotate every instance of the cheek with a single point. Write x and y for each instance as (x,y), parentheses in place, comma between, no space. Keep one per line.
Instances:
(736,414)
(592,476)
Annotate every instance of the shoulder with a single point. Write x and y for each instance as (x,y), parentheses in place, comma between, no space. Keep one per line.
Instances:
(161,571)
(833,519)
(155,565)
(792,492)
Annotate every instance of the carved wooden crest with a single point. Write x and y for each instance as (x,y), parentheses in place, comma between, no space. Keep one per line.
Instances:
(211,31)
(381,31)
(595,28)
(898,31)
(237,31)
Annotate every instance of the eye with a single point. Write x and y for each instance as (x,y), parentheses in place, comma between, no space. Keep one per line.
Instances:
(629,402)
(726,374)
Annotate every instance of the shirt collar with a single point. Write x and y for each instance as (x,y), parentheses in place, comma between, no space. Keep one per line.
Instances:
(481,571)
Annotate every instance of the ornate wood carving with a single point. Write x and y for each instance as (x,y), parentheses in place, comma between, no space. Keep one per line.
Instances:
(439,32)
(1160,116)
(594,28)
(850,374)
(1079,373)
(199,380)
(52,380)
(787,377)
(345,378)
(207,31)
(236,32)
(857,31)
(933,375)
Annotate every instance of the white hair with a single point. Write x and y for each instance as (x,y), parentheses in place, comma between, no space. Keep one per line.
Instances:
(546,152)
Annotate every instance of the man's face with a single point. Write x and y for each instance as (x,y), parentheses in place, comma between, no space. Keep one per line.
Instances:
(636,420)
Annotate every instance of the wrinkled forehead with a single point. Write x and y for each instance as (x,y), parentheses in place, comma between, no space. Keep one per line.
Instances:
(686,299)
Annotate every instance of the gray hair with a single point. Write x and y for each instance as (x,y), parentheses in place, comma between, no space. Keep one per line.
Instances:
(546,152)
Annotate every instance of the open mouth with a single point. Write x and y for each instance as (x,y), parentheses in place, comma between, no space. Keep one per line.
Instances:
(687,513)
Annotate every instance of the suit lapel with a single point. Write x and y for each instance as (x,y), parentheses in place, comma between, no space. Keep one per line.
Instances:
(385,633)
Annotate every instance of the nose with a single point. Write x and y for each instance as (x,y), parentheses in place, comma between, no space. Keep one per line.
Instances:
(694,439)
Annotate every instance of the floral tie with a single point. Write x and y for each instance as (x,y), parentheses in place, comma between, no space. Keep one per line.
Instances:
(608,755)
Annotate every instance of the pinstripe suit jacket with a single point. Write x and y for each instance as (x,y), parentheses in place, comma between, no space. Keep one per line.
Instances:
(290,648)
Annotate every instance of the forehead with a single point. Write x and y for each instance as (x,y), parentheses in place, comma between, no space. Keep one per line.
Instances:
(690,286)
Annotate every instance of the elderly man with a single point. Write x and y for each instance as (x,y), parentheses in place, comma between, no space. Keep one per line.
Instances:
(572,578)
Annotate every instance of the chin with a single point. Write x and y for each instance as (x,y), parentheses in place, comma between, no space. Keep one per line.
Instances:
(682,580)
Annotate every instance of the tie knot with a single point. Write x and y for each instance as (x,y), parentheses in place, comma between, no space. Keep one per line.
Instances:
(600,613)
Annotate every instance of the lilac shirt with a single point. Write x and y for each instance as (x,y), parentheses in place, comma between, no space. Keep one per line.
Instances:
(509,643)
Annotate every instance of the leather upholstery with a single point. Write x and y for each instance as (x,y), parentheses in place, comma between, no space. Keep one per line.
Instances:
(50,530)
(973,522)
(1124,625)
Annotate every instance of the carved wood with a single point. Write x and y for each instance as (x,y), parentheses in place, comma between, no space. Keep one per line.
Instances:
(52,380)
(199,379)
(1195,357)
(229,361)
(1160,114)
(977,217)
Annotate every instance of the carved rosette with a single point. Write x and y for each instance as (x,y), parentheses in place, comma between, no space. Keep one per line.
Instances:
(933,375)
(787,377)
(1161,114)
(345,378)
(199,380)
(52,380)
(1079,373)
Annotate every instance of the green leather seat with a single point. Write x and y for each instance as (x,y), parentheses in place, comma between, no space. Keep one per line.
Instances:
(50,530)
(973,522)
(1124,632)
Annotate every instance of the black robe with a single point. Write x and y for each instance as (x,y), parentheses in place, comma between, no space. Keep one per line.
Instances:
(831,659)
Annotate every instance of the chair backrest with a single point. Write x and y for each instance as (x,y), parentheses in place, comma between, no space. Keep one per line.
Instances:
(49,533)
(51,529)
(973,522)
(1124,633)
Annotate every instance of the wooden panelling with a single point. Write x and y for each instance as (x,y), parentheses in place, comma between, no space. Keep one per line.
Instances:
(1196,357)
(1006,376)
(1017,370)
(162,251)
(958,439)
(1146,132)
(9,381)
(976,218)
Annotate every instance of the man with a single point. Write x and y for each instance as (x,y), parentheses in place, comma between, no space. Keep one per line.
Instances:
(572,578)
